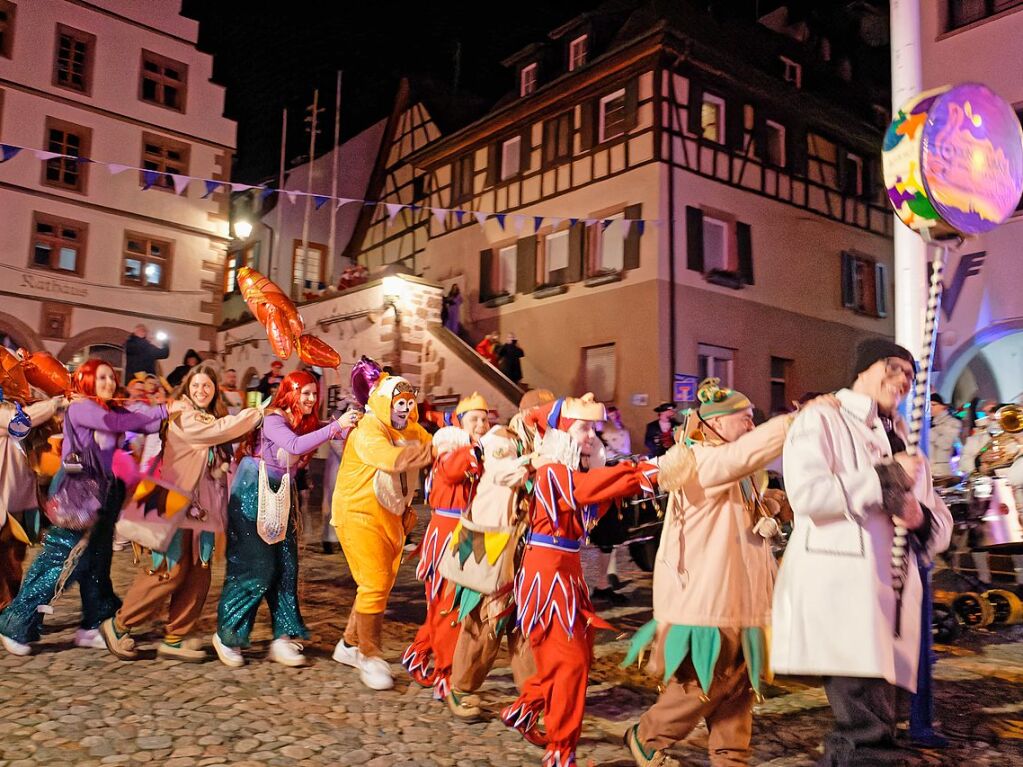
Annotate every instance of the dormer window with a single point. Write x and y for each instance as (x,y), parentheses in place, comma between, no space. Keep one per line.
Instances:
(527,79)
(792,70)
(577,50)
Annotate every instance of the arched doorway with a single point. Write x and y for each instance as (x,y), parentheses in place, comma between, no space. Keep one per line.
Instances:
(105,343)
(16,334)
(988,366)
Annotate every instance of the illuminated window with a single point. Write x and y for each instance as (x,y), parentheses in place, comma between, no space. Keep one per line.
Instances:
(145,262)
(527,80)
(58,244)
(612,115)
(712,118)
(577,50)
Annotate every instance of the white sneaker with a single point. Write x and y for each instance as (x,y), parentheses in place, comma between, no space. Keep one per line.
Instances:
(229,656)
(15,648)
(375,673)
(287,652)
(90,639)
(347,654)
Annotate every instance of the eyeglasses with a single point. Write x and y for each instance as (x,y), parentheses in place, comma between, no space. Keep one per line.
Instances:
(893,369)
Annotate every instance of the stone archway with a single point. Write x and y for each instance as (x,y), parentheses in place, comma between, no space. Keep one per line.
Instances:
(967,350)
(20,332)
(109,336)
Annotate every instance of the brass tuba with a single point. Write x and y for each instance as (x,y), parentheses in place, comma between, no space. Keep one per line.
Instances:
(1010,419)
(1004,448)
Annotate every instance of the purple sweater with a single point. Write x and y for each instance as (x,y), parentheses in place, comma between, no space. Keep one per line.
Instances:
(99,431)
(278,435)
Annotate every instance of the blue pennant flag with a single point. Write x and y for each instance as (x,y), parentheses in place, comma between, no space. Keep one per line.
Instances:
(573,221)
(537,223)
(500,219)
(7,152)
(605,223)
(266,192)
(149,178)
(637,226)
(459,214)
(211,187)
(320,199)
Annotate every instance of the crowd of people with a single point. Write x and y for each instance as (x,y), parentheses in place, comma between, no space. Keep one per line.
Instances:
(511,506)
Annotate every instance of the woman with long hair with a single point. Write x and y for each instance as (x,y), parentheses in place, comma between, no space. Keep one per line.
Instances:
(93,428)
(258,570)
(195,456)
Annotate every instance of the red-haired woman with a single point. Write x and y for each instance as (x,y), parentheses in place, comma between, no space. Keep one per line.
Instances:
(257,570)
(93,428)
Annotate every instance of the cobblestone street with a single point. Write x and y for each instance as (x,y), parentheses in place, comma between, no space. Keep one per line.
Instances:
(66,705)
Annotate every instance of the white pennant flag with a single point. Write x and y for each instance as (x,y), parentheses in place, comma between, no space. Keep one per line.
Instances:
(116,168)
(342,201)
(555,223)
(241,187)
(518,223)
(292,196)
(44,155)
(180,183)
(441,215)
(481,218)
(393,209)
(626,227)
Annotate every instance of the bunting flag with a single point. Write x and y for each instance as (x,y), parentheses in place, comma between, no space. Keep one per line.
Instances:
(626,225)
(292,196)
(180,183)
(500,219)
(44,156)
(265,192)
(211,187)
(441,215)
(481,218)
(8,152)
(319,200)
(342,201)
(537,223)
(236,187)
(638,224)
(517,223)
(149,178)
(393,209)
(605,224)
(555,222)
(573,221)
(459,215)
(116,168)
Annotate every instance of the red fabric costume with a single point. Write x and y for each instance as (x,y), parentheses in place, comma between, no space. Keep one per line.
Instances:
(553,601)
(452,481)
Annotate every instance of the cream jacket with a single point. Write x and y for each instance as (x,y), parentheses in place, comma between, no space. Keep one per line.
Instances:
(17,480)
(192,434)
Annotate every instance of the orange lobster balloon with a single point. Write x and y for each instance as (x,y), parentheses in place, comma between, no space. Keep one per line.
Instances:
(282,342)
(259,291)
(313,351)
(45,372)
(12,377)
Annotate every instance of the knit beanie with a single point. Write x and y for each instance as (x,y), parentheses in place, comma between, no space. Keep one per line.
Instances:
(871,350)
(715,401)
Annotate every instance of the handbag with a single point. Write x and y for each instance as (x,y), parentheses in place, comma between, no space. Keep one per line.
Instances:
(481,557)
(153,514)
(79,488)
(273,507)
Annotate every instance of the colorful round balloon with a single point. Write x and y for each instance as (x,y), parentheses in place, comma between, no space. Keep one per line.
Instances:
(953,161)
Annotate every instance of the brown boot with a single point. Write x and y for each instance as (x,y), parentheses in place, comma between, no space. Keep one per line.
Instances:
(375,672)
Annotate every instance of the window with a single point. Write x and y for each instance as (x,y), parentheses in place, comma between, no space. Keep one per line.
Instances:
(7,11)
(66,139)
(612,115)
(72,66)
(557,139)
(599,371)
(110,354)
(308,268)
(779,386)
(511,151)
(577,53)
(236,259)
(712,118)
(504,276)
(716,362)
(608,246)
(164,156)
(964,12)
(527,80)
(462,177)
(555,254)
(146,262)
(164,81)
(715,245)
(774,144)
(854,179)
(792,71)
(58,244)
(864,285)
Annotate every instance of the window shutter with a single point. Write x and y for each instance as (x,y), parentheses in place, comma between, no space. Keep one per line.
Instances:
(526,149)
(744,242)
(525,265)
(693,119)
(493,164)
(694,239)
(631,103)
(881,290)
(760,138)
(631,260)
(796,153)
(869,167)
(576,236)
(848,280)
(486,274)
(842,174)
(550,142)
(588,125)
(733,123)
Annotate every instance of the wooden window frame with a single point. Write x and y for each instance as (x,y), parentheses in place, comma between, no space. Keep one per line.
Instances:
(161,80)
(246,255)
(458,178)
(498,287)
(317,246)
(78,36)
(988,12)
(145,259)
(575,62)
(510,170)
(601,115)
(58,222)
(551,127)
(84,148)
(856,162)
(164,181)
(8,30)
(854,294)
(710,352)
(712,98)
(792,71)
(527,86)
(779,130)
(782,403)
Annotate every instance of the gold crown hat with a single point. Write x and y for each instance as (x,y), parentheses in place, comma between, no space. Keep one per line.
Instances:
(584,408)
(474,401)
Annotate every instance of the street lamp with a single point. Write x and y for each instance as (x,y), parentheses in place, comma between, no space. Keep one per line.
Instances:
(242,229)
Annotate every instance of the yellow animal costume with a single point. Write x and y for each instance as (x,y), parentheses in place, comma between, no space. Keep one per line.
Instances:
(371,505)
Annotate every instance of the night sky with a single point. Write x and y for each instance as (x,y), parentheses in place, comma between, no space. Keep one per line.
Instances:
(272,55)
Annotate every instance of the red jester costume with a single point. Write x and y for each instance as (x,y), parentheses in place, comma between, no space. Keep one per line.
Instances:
(554,610)
(452,483)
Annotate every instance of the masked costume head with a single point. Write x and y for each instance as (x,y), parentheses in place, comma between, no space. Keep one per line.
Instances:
(565,429)
(393,401)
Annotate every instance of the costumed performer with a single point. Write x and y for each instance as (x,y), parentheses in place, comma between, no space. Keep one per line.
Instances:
(451,485)
(195,463)
(93,428)
(554,609)
(258,569)
(372,512)
(713,579)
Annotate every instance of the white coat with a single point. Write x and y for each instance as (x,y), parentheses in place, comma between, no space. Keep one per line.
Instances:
(834,607)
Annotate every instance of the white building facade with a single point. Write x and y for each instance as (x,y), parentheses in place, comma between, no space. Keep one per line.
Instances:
(85,253)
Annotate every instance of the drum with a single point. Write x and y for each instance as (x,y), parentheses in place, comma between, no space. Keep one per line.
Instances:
(1000,528)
